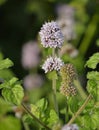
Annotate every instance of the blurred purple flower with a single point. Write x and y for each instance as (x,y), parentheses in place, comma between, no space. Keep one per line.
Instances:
(65,11)
(30,55)
(52,63)
(66,21)
(70,127)
(51,35)
(32,81)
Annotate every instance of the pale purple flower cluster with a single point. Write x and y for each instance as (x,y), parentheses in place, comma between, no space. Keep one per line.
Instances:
(32,81)
(70,127)
(66,21)
(30,55)
(65,11)
(51,35)
(52,63)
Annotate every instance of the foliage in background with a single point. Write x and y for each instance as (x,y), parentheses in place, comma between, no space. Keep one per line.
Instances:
(20,23)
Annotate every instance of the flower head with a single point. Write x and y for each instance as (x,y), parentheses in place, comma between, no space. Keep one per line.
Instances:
(66,21)
(51,35)
(30,55)
(65,11)
(70,127)
(32,81)
(52,63)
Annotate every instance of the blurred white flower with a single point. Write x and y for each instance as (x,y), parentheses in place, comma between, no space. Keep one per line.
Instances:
(32,81)
(67,27)
(51,35)
(30,55)
(70,127)
(18,111)
(52,63)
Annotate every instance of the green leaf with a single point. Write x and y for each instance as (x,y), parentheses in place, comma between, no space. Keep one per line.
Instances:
(4,85)
(13,81)
(13,94)
(6,63)
(10,123)
(39,108)
(4,107)
(10,83)
(6,74)
(89,121)
(52,75)
(73,104)
(35,110)
(93,75)
(42,104)
(53,118)
(27,119)
(92,88)
(93,61)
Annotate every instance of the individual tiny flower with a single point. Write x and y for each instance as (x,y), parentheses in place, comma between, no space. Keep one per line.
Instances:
(18,111)
(52,63)
(51,35)
(30,55)
(32,81)
(70,127)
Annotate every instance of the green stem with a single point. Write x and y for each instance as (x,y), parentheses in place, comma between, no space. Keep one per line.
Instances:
(90,32)
(80,89)
(53,52)
(54,95)
(54,88)
(26,127)
(29,112)
(79,110)
(66,114)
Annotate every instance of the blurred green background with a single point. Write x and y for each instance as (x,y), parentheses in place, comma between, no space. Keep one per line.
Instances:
(20,21)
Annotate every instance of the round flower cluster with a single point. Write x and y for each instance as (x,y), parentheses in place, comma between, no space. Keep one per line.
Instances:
(66,21)
(52,63)
(30,55)
(70,127)
(51,35)
(32,81)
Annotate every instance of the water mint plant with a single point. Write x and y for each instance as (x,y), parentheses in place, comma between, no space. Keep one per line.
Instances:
(66,105)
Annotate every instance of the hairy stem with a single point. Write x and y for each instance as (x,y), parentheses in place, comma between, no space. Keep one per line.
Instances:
(54,95)
(79,110)
(54,88)
(89,36)
(29,112)
(66,114)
